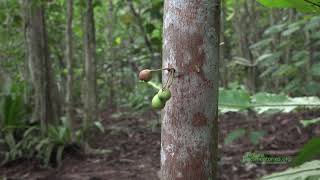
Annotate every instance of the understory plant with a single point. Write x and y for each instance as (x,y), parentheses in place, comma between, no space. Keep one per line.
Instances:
(20,139)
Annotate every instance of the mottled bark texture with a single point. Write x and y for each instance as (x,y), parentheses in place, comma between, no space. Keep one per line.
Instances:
(189,127)
(70,63)
(46,97)
(90,66)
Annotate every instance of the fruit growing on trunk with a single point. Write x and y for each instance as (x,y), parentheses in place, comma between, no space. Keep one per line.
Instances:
(164,94)
(157,103)
(145,75)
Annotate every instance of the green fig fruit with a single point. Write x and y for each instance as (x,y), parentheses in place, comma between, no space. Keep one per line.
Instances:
(145,75)
(157,103)
(164,94)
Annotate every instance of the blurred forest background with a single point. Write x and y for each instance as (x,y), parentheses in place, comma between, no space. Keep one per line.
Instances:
(67,65)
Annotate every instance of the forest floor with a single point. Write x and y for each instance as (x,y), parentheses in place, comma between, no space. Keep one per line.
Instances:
(135,146)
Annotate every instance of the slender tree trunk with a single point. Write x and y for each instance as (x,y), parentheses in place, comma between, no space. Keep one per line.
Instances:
(90,66)
(288,49)
(308,76)
(189,134)
(70,64)
(223,60)
(46,94)
(111,53)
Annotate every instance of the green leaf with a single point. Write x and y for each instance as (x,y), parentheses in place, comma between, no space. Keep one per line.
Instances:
(264,56)
(261,44)
(266,102)
(275,29)
(290,31)
(315,70)
(275,3)
(309,151)
(307,170)
(42,143)
(234,135)
(241,61)
(99,125)
(255,136)
(233,100)
(305,6)
(308,122)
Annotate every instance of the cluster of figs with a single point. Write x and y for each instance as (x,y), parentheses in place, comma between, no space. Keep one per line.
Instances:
(163,95)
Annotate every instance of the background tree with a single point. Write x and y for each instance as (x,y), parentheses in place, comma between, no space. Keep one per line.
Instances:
(90,66)
(70,64)
(46,98)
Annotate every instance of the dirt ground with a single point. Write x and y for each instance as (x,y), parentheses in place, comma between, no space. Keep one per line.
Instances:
(135,147)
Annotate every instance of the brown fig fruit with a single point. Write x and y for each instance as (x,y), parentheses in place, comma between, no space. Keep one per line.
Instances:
(145,75)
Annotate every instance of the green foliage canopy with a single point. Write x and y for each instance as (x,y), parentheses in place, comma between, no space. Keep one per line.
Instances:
(305,6)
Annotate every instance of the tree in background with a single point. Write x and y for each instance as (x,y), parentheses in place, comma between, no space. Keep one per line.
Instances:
(189,126)
(90,67)
(46,98)
(70,64)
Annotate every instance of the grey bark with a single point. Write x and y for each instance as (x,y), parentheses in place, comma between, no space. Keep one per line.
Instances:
(46,98)
(70,64)
(90,66)
(243,24)
(189,133)
(111,53)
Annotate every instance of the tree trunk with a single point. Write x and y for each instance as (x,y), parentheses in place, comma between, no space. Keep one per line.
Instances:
(111,54)
(70,64)
(223,60)
(189,134)
(308,76)
(90,66)
(46,98)
(243,21)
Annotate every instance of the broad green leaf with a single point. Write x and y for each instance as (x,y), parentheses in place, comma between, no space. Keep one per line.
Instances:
(275,3)
(233,100)
(315,70)
(305,6)
(309,122)
(306,170)
(265,102)
(241,61)
(290,31)
(263,57)
(275,29)
(309,151)
(261,44)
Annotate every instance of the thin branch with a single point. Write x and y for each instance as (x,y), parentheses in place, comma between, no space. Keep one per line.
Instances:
(140,25)
(310,2)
